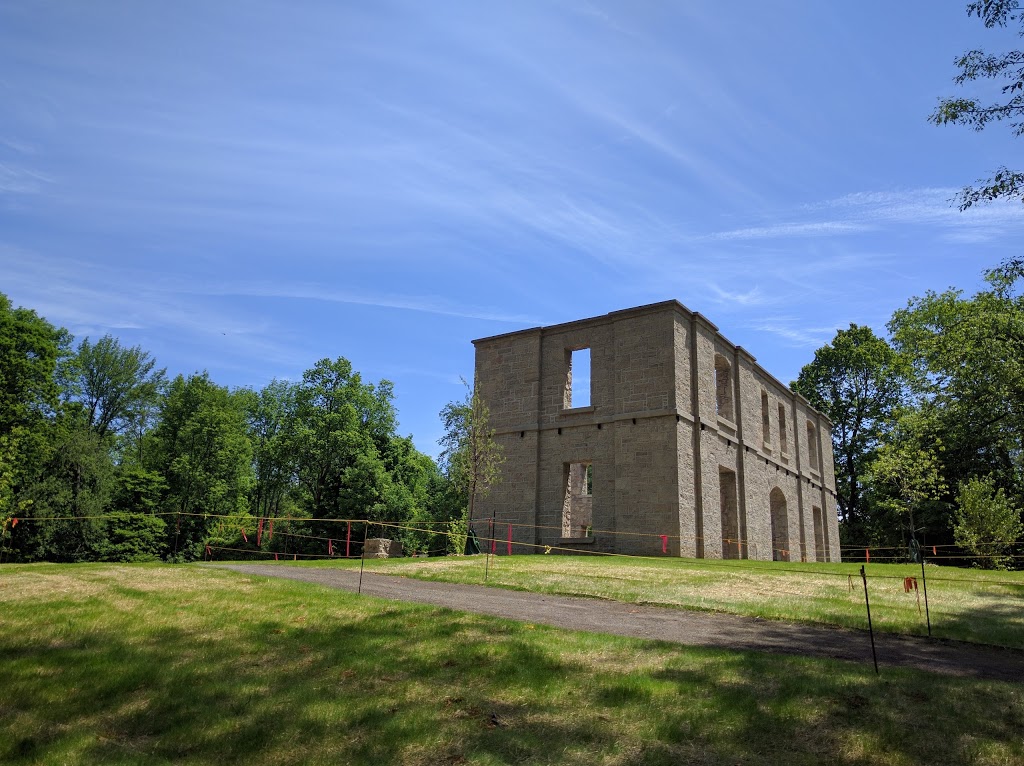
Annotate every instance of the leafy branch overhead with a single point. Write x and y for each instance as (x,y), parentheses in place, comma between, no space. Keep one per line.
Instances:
(1006,68)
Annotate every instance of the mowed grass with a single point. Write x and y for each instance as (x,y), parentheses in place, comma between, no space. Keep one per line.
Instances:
(965,604)
(155,664)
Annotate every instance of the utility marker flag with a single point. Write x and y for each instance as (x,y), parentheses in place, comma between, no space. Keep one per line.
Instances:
(14,522)
(259,533)
(244,537)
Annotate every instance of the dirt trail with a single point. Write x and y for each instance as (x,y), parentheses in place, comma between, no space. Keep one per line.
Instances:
(676,625)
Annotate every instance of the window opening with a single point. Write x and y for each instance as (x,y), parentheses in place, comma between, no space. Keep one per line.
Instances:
(812,447)
(577,378)
(819,535)
(578,505)
(723,387)
(730,514)
(783,445)
(766,426)
(780,525)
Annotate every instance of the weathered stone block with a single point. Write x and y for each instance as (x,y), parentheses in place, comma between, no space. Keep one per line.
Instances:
(382,548)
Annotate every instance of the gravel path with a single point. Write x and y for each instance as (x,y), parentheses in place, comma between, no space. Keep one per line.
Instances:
(676,625)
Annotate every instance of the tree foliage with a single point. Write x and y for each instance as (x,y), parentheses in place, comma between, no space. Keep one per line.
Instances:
(967,357)
(907,474)
(1006,69)
(858,381)
(202,450)
(115,385)
(470,457)
(985,521)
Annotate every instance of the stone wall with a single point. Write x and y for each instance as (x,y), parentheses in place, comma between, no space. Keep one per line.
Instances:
(661,451)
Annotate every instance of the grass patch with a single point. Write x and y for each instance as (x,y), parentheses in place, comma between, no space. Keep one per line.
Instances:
(965,604)
(141,664)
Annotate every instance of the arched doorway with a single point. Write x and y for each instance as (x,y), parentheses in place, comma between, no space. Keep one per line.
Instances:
(780,525)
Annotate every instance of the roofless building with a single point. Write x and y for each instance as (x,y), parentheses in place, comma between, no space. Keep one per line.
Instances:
(645,431)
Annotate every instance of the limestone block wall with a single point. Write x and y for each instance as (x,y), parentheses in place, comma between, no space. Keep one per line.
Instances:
(668,454)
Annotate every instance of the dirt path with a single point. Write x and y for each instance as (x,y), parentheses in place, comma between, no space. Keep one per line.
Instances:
(676,625)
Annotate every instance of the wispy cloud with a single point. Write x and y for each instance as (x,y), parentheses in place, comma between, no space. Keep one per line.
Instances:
(428,305)
(793,331)
(779,230)
(16,180)
(752,297)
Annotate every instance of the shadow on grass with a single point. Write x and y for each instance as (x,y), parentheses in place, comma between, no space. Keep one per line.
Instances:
(308,675)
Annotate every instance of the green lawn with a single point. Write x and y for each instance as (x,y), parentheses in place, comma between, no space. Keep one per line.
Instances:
(966,604)
(141,664)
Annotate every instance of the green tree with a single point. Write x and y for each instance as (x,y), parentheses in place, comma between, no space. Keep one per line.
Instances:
(1004,68)
(470,457)
(30,349)
(271,416)
(115,386)
(985,522)
(858,381)
(201,448)
(967,358)
(68,493)
(907,477)
(343,428)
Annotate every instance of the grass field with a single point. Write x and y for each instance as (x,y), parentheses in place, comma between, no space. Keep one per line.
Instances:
(148,664)
(965,604)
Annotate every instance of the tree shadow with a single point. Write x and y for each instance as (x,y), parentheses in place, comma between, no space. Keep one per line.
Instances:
(311,675)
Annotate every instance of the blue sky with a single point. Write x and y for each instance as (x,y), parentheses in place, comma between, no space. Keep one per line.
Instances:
(248,187)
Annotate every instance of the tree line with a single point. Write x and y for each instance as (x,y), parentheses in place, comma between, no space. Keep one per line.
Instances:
(105,458)
(928,425)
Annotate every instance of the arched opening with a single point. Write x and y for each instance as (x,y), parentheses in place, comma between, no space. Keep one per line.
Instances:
(783,439)
(780,525)
(731,543)
(766,426)
(820,554)
(723,388)
(812,447)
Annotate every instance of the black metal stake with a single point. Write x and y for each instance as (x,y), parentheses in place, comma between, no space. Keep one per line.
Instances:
(924,582)
(871,629)
(362,558)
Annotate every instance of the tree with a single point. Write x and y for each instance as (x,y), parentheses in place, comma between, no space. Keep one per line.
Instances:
(271,415)
(69,490)
(341,426)
(857,381)
(1006,68)
(202,450)
(966,355)
(470,457)
(115,385)
(30,349)
(906,476)
(985,521)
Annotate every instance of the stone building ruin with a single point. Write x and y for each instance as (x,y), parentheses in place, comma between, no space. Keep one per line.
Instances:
(645,432)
